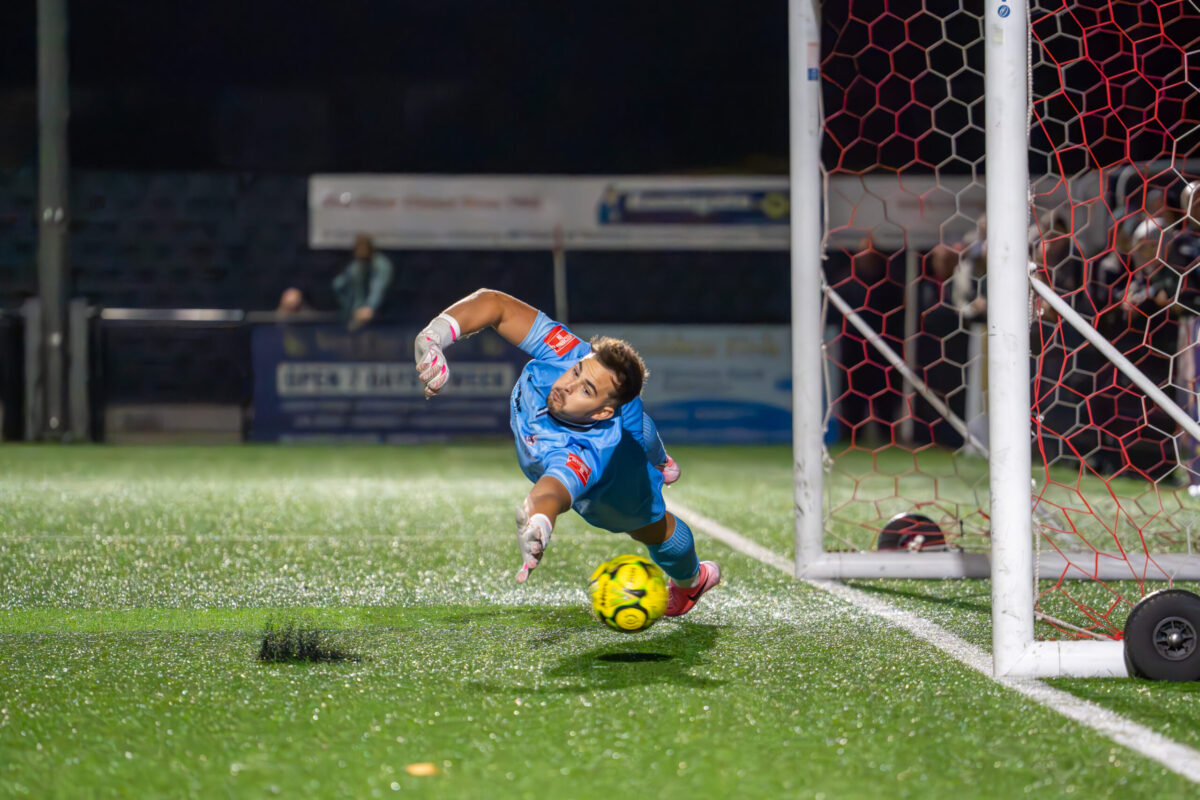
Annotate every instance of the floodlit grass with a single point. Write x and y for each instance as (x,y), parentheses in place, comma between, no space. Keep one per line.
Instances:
(135,585)
(964,608)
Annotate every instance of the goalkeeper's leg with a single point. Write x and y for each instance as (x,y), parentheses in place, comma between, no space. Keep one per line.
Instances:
(633,495)
(671,546)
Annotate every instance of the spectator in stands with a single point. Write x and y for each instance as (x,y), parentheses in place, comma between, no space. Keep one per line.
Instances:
(1144,242)
(360,287)
(362,284)
(969,281)
(1155,209)
(1183,251)
(292,301)
(1149,317)
(1161,261)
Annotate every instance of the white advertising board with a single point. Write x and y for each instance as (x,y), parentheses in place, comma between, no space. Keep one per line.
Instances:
(616,212)
(514,212)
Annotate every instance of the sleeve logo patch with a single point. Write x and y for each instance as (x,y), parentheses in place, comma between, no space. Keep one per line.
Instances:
(582,470)
(561,340)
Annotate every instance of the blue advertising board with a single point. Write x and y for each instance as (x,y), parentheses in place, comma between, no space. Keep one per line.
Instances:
(321,383)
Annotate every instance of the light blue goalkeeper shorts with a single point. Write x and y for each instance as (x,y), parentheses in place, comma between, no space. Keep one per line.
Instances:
(628,495)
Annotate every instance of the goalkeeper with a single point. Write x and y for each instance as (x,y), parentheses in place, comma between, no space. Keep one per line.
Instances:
(581,436)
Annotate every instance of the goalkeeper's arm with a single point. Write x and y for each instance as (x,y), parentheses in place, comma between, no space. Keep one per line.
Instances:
(485,308)
(535,521)
(656,454)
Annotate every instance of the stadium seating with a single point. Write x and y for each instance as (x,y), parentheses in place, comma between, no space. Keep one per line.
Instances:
(18,236)
(234,240)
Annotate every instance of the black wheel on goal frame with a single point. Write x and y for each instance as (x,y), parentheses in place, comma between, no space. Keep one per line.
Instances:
(911,531)
(1162,637)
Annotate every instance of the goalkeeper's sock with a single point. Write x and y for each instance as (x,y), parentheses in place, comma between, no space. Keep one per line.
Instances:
(677,555)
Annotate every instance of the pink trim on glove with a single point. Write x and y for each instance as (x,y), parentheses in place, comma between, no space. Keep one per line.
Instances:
(455,328)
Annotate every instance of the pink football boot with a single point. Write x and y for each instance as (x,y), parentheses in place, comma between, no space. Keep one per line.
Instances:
(684,597)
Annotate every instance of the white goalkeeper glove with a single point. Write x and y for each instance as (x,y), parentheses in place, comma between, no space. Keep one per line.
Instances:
(670,471)
(533,537)
(440,333)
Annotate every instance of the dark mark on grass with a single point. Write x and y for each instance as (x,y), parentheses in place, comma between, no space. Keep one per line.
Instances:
(291,643)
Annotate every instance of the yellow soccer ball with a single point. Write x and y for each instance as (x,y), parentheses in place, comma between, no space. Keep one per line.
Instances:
(629,593)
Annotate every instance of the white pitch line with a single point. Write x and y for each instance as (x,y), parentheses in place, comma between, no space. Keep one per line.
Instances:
(1176,757)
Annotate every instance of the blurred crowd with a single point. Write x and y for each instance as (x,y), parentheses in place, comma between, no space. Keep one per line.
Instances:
(1138,289)
(1140,292)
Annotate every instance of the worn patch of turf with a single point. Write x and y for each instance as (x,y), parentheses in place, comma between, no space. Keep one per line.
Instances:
(295,642)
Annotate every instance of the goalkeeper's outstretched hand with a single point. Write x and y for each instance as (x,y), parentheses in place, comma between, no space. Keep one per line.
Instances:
(427,349)
(533,536)
(432,366)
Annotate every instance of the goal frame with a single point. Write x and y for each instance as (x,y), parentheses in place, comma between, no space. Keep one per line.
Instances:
(1011,563)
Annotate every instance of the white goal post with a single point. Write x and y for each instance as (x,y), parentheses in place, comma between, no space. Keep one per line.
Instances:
(1011,563)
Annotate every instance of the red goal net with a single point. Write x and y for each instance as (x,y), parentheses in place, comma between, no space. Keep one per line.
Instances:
(1114,145)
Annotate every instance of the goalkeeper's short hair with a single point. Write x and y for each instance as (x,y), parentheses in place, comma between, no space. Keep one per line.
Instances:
(627,366)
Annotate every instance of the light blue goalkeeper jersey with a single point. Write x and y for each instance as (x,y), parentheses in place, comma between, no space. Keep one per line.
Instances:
(607,466)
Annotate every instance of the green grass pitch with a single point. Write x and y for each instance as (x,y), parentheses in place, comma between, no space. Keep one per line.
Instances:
(135,584)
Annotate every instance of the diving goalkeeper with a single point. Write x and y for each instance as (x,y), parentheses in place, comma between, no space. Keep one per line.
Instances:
(581,436)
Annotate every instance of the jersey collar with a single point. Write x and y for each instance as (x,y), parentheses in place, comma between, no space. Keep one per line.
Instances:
(575,426)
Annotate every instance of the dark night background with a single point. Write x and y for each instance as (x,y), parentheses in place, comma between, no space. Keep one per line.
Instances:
(411,86)
(527,87)
(194,128)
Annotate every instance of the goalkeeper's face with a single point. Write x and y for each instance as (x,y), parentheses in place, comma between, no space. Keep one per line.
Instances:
(584,393)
